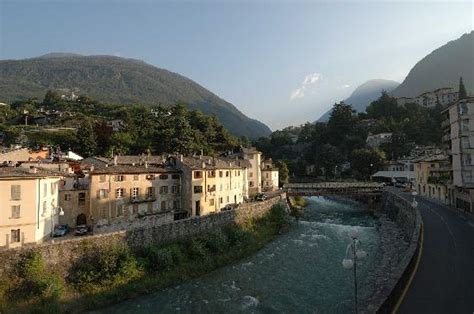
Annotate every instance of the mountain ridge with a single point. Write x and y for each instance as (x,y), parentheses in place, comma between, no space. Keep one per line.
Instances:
(118,80)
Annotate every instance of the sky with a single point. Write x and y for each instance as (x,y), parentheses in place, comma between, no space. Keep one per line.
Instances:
(281,62)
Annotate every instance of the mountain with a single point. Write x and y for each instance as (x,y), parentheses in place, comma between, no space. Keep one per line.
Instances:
(365,94)
(118,80)
(442,68)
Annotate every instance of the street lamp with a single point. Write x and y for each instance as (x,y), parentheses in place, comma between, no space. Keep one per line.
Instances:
(353,254)
(414,203)
(53,213)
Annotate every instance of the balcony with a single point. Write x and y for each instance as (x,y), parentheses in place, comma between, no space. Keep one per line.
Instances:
(144,199)
(445,123)
(446,137)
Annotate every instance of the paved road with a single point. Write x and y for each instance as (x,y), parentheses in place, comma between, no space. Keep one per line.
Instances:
(444,282)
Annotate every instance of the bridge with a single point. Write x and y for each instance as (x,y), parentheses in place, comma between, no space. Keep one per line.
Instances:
(334,188)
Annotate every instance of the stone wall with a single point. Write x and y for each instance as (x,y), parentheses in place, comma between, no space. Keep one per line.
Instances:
(63,254)
(409,222)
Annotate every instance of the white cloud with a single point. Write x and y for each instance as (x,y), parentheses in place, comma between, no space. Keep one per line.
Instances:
(346,86)
(309,82)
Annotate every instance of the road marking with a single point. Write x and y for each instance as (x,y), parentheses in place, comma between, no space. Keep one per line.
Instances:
(415,269)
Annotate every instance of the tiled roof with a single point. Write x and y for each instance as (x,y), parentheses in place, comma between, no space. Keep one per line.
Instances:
(13,172)
(124,169)
(197,162)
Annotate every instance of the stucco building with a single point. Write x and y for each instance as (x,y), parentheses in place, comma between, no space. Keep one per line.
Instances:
(432,177)
(29,204)
(210,184)
(270,178)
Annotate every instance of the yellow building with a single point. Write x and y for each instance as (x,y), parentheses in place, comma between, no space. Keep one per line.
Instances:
(269,176)
(121,192)
(432,175)
(211,184)
(29,205)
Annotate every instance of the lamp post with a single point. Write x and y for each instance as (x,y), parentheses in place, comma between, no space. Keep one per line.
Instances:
(53,213)
(353,254)
(414,203)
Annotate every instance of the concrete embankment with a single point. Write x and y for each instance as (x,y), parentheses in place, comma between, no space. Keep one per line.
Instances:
(400,228)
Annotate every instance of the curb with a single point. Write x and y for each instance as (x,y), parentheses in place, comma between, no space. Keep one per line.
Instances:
(413,273)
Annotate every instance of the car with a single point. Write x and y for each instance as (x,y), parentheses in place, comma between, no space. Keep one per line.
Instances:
(81,230)
(399,185)
(260,197)
(61,230)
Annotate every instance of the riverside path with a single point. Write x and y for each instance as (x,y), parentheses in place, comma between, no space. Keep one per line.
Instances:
(444,281)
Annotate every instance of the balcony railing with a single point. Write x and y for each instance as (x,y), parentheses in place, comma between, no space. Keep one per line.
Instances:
(445,123)
(143,199)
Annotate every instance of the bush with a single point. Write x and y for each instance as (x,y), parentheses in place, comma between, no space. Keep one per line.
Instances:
(160,258)
(197,249)
(237,236)
(110,265)
(216,242)
(279,216)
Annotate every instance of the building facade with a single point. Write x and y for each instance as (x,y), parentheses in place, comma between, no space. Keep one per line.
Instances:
(458,128)
(254,178)
(211,184)
(433,175)
(29,205)
(123,192)
(270,179)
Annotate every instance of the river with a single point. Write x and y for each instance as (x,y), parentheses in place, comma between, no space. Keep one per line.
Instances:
(299,272)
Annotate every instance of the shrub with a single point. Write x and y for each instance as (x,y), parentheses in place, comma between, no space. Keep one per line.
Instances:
(160,258)
(197,248)
(237,236)
(110,265)
(279,216)
(216,242)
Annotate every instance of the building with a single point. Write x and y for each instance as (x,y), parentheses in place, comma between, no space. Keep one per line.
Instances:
(254,178)
(211,184)
(116,125)
(14,155)
(270,178)
(375,140)
(444,96)
(122,192)
(29,205)
(458,127)
(432,177)
(401,170)
(74,200)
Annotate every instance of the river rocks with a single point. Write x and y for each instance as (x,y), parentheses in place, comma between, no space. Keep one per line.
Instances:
(249,301)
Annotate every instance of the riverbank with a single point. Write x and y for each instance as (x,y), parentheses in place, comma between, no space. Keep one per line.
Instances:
(118,273)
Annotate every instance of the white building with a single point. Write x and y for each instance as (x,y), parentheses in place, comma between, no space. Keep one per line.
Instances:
(375,140)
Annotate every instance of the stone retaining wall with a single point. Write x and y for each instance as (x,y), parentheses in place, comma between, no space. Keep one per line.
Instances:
(62,254)
(409,221)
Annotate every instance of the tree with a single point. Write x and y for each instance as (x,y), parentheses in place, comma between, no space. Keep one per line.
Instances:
(86,139)
(328,157)
(51,98)
(462,90)
(365,162)
(283,172)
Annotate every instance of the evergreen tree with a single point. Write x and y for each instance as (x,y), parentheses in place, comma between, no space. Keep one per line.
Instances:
(86,139)
(462,90)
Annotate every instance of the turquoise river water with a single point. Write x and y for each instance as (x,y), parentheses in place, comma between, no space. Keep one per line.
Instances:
(300,272)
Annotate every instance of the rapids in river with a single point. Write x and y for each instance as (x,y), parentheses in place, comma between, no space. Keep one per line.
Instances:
(299,272)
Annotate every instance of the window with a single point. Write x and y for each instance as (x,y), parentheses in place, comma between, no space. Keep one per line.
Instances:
(198,189)
(227,173)
(119,193)
(467,160)
(163,176)
(45,190)
(119,210)
(163,205)
(44,207)
(250,174)
(197,174)
(175,189)
(135,177)
(211,202)
(16,192)
(102,193)
(102,178)
(135,208)
(15,211)
(465,125)
(82,199)
(15,235)
(221,174)
(238,173)
(211,188)
(53,188)
(175,176)
(150,192)
(211,174)
(67,197)
(149,208)
(176,204)
(227,199)
(465,142)
(164,189)
(119,178)
(221,200)
(135,193)
(150,177)
(220,187)
(251,184)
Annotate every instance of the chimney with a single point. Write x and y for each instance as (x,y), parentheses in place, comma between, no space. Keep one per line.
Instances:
(146,164)
(203,164)
(92,168)
(33,169)
(115,160)
(181,157)
(202,152)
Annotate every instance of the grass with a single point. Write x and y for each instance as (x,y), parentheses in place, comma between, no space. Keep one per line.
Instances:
(118,273)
